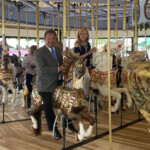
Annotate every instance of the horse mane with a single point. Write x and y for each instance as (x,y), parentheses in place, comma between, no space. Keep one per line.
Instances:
(5,61)
(67,65)
(15,61)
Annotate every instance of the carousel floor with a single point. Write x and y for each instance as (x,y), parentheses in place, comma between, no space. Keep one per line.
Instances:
(19,136)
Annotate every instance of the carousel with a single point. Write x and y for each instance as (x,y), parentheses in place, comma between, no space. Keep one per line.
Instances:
(116,114)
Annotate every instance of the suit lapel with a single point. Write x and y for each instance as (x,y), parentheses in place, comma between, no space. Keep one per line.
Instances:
(50,54)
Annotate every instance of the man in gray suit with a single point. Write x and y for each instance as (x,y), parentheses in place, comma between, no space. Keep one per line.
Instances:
(48,60)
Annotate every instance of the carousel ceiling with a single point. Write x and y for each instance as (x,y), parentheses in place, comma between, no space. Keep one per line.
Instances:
(49,8)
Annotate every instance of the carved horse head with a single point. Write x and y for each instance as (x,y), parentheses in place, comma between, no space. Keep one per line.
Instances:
(5,64)
(73,69)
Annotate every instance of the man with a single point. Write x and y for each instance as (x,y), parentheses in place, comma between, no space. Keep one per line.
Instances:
(48,61)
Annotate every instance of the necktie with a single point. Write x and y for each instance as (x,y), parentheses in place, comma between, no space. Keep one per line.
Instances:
(54,54)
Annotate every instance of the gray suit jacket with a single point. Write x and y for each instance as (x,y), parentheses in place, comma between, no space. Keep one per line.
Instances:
(47,69)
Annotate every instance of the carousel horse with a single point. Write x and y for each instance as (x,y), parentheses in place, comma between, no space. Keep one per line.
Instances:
(70,101)
(136,56)
(19,69)
(7,77)
(139,86)
(15,60)
(25,95)
(99,77)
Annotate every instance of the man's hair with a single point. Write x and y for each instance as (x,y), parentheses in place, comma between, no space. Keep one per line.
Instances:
(51,31)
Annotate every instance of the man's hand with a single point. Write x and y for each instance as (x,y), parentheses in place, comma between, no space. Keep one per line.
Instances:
(60,68)
(37,101)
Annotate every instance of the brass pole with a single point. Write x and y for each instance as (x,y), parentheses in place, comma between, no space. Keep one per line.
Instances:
(77,19)
(27,26)
(116,23)
(109,96)
(44,21)
(3,23)
(37,23)
(64,24)
(53,17)
(124,16)
(114,29)
(68,24)
(58,24)
(92,12)
(80,15)
(75,22)
(96,20)
(18,27)
(136,30)
(92,24)
(86,16)
(145,40)
(101,32)
(124,28)
(127,36)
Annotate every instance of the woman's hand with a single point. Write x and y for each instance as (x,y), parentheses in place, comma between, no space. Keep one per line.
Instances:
(64,53)
(94,49)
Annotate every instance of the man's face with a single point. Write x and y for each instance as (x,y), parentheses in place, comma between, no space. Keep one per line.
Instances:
(50,40)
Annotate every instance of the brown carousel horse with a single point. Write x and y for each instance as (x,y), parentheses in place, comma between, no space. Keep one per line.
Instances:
(7,76)
(70,101)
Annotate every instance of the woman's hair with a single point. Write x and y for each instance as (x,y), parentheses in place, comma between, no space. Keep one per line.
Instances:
(33,48)
(78,35)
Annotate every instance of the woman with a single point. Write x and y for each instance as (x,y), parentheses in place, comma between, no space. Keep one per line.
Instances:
(28,64)
(83,50)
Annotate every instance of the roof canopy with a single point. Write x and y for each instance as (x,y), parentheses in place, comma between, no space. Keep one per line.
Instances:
(48,8)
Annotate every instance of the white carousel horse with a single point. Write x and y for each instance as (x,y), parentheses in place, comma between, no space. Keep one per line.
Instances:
(99,78)
(7,77)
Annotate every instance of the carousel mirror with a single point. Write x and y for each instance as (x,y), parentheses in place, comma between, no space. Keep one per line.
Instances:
(138,11)
(147,9)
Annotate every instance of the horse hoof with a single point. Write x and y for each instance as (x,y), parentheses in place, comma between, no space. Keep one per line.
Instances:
(125,107)
(116,112)
(76,137)
(36,131)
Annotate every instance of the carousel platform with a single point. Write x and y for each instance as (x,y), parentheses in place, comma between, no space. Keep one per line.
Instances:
(18,135)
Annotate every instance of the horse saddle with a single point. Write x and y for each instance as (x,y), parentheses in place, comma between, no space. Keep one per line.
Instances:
(102,77)
(69,98)
(6,74)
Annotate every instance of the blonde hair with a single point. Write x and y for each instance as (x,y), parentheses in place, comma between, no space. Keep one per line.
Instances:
(78,35)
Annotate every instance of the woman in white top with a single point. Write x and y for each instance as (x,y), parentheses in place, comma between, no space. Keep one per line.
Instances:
(28,64)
